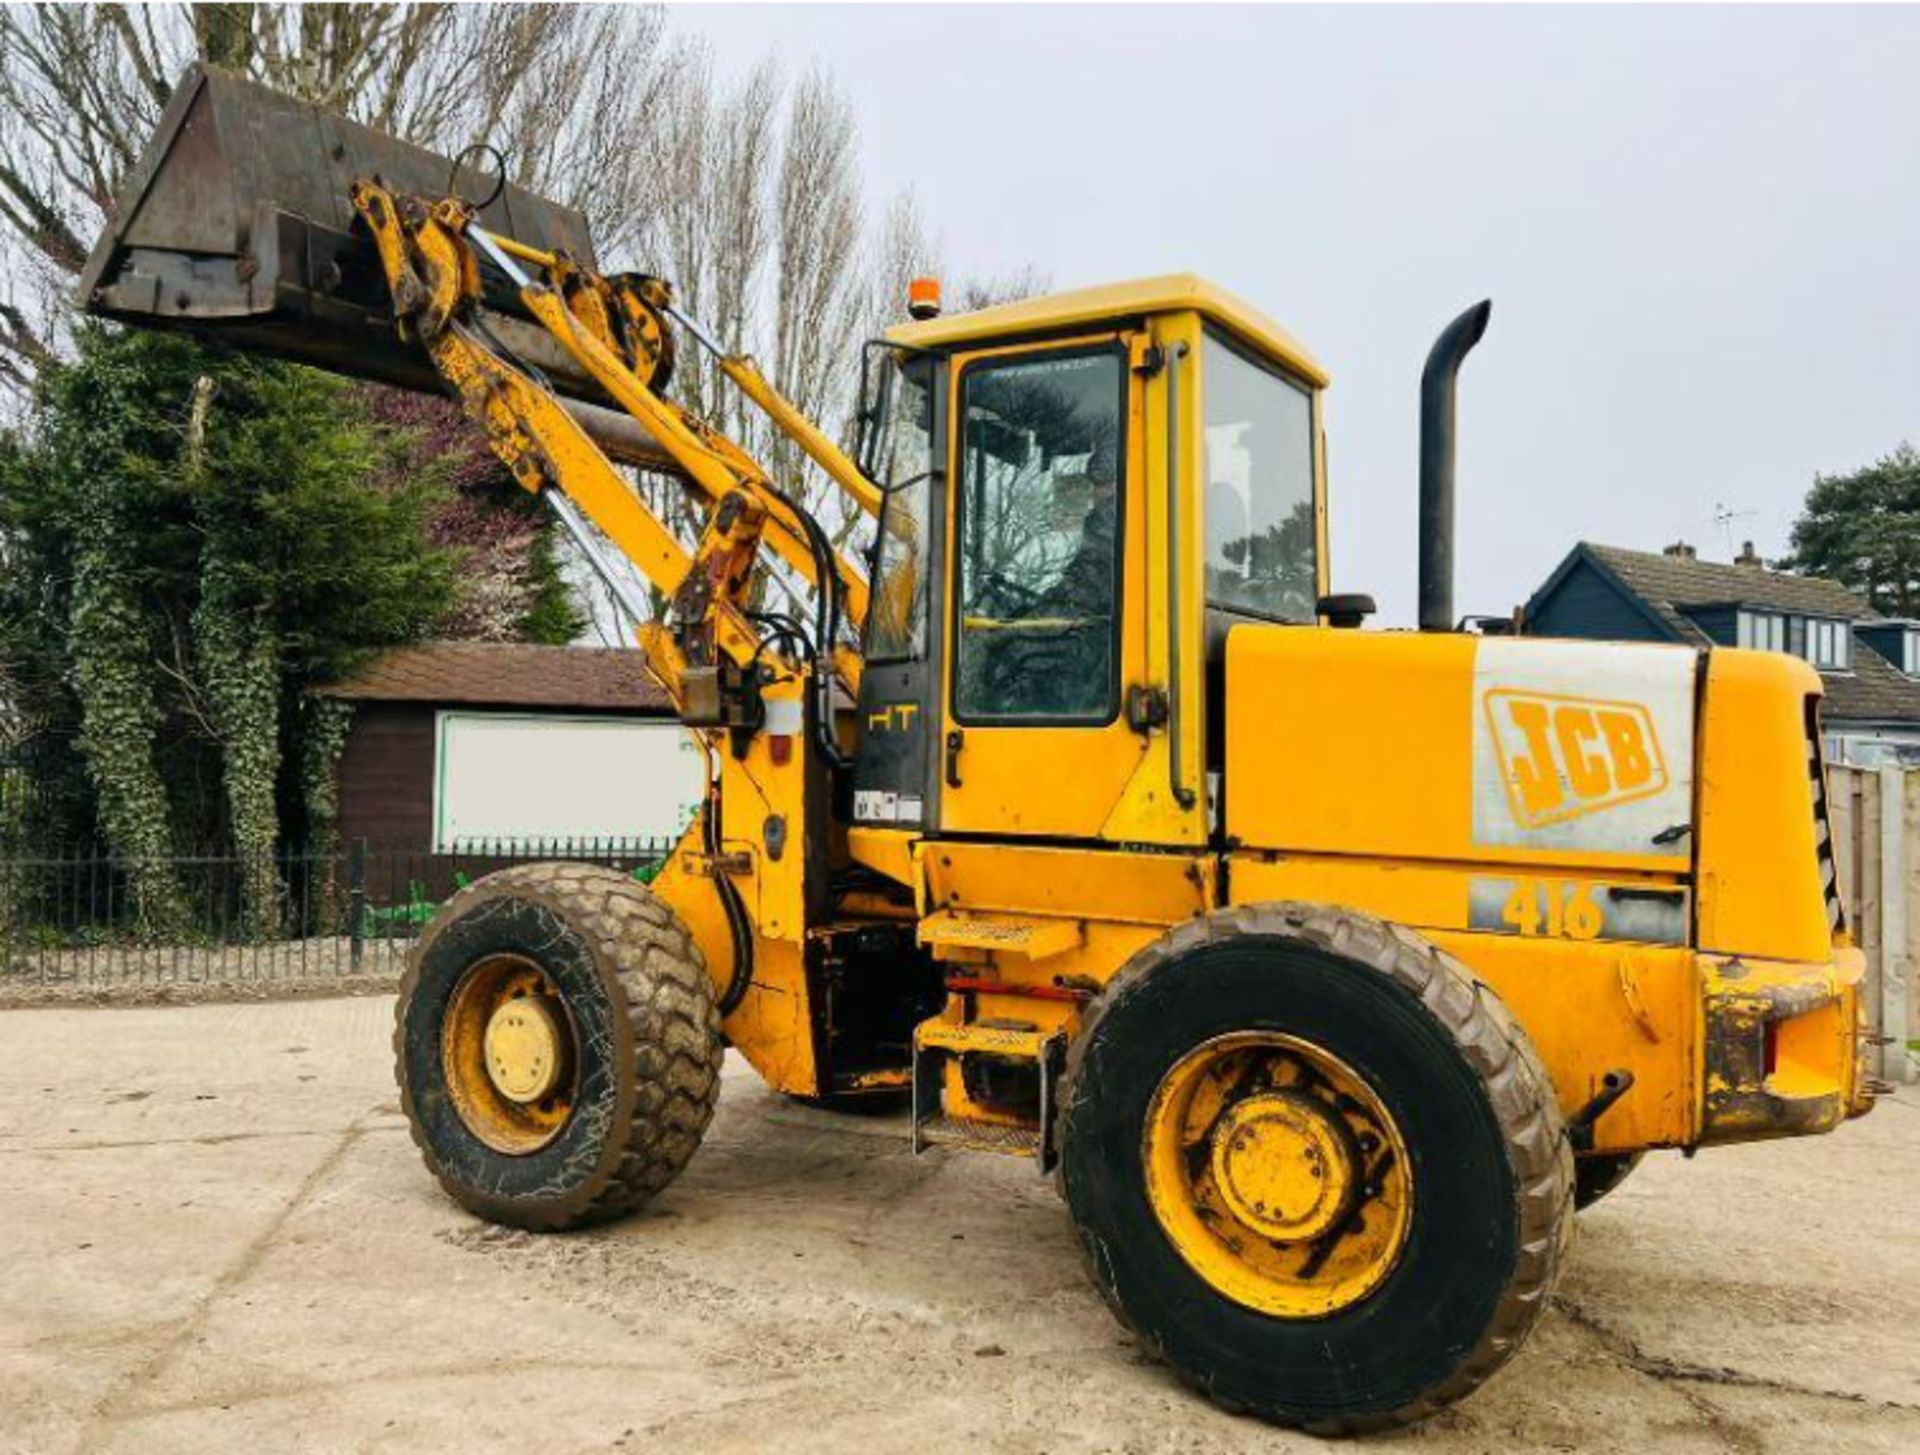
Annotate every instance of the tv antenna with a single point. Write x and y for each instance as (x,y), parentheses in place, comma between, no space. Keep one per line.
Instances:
(1724,516)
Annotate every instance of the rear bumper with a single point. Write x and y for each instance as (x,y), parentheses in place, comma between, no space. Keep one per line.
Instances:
(1782,1047)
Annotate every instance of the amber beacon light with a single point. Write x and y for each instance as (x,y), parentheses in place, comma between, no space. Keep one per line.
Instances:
(923,298)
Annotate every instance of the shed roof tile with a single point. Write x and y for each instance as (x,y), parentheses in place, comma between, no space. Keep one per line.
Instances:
(508,675)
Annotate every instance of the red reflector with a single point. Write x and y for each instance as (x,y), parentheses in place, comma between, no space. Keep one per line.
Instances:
(780,749)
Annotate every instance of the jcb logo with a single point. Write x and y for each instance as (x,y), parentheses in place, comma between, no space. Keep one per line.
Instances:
(1562,757)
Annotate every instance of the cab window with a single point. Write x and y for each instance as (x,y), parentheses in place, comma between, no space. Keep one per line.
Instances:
(1041,454)
(1257,438)
(897,607)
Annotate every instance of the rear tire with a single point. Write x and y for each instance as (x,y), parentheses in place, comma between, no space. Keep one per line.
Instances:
(631,1054)
(1595,1177)
(1485,1211)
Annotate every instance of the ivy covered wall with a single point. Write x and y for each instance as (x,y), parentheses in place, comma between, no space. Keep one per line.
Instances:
(192,539)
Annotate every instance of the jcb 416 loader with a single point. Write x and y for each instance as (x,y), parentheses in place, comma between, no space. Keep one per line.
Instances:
(1327,970)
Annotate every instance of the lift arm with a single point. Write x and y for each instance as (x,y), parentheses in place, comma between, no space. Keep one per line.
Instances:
(616,330)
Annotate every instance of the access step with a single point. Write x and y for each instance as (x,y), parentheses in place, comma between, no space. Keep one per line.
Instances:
(989,1059)
(1024,937)
(977,1136)
(986,1038)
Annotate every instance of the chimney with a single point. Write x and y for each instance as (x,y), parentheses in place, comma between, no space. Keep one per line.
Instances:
(1680,551)
(1747,556)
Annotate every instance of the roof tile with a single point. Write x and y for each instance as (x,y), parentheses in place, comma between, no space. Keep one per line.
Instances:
(1874,691)
(503,674)
(1683,581)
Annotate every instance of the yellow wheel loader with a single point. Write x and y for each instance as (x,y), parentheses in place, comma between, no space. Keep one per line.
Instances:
(1325,969)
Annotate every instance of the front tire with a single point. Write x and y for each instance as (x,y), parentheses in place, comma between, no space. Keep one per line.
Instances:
(1315,1165)
(557,1046)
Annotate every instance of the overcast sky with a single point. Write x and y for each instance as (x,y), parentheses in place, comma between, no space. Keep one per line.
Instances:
(1700,229)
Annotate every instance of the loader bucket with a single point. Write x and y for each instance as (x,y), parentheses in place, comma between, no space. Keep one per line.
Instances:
(236,225)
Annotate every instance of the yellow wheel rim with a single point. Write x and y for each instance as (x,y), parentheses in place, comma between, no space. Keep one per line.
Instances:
(1277,1174)
(508,1054)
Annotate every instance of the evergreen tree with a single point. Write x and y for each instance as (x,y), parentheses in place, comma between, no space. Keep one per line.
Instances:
(194,539)
(1863,530)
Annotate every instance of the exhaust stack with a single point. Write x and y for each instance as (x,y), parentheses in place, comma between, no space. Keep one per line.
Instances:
(1437,382)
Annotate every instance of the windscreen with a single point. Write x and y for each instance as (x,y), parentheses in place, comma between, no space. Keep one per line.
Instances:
(1262,538)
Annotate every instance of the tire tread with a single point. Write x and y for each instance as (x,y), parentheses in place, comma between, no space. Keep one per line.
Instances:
(1518,1089)
(668,1000)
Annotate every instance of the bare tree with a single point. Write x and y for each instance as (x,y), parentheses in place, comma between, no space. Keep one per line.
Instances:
(757,222)
(817,294)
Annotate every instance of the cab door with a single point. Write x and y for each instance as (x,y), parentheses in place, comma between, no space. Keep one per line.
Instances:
(1045,550)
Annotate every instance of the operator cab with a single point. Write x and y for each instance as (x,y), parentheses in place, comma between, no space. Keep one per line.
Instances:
(1085,492)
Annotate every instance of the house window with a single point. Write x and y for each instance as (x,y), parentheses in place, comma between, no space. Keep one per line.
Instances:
(1826,642)
(1763,631)
(1910,656)
(1829,643)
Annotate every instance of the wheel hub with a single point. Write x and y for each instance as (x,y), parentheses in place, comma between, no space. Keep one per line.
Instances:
(508,1053)
(1284,1165)
(523,1050)
(1278,1174)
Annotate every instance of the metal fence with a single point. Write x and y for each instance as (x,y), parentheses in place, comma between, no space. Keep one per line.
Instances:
(83,923)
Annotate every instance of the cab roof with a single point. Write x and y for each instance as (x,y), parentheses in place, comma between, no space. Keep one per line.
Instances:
(1111,302)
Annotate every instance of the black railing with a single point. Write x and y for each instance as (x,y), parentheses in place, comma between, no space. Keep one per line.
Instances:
(87,921)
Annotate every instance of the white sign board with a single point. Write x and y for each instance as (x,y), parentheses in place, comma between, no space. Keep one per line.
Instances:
(1583,746)
(528,781)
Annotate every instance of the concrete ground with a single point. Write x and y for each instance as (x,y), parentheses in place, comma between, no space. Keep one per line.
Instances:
(218,1236)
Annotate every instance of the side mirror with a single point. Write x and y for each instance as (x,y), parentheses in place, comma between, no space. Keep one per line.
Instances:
(1346,609)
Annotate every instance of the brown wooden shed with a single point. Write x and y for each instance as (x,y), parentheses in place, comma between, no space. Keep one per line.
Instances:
(468,741)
